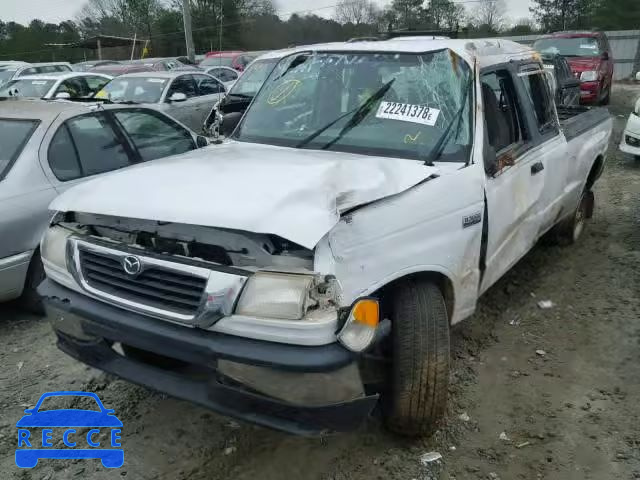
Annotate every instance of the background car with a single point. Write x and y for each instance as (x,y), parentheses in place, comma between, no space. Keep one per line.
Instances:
(237,60)
(115,70)
(158,64)
(17,69)
(590,57)
(64,85)
(566,85)
(226,75)
(241,94)
(630,142)
(48,146)
(85,66)
(186,96)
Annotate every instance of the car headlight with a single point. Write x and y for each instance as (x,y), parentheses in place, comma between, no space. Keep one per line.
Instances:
(53,247)
(275,295)
(359,331)
(589,76)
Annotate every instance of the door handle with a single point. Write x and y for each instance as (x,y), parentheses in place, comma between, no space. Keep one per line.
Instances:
(537,168)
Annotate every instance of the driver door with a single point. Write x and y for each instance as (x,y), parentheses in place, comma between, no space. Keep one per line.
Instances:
(183,111)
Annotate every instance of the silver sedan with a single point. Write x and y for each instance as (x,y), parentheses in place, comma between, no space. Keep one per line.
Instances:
(187,96)
(48,146)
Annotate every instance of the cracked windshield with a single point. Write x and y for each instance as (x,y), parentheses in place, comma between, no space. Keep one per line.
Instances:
(402,105)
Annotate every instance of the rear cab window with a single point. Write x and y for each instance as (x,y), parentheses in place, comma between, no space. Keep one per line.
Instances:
(14,135)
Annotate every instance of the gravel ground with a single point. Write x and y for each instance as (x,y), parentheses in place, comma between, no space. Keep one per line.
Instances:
(569,411)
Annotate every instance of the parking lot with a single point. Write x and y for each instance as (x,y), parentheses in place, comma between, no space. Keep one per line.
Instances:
(536,393)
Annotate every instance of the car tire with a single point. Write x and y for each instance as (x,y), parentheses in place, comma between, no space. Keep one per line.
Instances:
(607,99)
(570,230)
(419,385)
(30,300)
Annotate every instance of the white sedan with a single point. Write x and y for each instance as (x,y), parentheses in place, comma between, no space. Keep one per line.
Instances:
(63,85)
(630,142)
(226,75)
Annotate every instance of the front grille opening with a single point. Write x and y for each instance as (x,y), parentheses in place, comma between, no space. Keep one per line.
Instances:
(192,371)
(164,289)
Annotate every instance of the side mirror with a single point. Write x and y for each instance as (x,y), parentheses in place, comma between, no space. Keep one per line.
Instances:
(638,77)
(201,141)
(177,97)
(570,83)
(605,55)
(63,96)
(229,123)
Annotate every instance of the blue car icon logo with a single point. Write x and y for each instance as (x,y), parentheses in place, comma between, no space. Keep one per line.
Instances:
(67,424)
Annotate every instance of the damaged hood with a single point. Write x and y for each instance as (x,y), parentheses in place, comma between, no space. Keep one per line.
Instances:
(295,194)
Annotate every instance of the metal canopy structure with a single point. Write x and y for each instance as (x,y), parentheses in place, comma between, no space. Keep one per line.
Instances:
(99,42)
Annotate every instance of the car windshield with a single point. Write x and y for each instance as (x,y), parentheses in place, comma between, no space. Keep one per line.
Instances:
(14,135)
(401,105)
(6,74)
(217,61)
(253,77)
(568,47)
(26,88)
(134,89)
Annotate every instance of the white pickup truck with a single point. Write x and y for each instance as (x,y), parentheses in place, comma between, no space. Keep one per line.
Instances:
(309,269)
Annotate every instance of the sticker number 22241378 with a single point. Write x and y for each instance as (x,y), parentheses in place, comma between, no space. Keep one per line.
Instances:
(406,112)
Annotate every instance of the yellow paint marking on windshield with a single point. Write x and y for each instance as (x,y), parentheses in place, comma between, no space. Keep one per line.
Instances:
(411,139)
(282,91)
(101,94)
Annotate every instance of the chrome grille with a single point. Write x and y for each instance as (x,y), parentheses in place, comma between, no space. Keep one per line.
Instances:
(154,286)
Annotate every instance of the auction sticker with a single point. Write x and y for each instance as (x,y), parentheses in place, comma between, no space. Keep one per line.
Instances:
(407,112)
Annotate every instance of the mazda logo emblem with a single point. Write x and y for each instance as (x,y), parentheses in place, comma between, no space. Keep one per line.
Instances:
(131,265)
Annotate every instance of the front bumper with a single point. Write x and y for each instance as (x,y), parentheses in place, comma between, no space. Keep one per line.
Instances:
(87,328)
(589,92)
(630,142)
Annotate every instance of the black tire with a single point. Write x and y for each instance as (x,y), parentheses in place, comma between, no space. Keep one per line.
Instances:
(420,374)
(607,99)
(570,230)
(30,300)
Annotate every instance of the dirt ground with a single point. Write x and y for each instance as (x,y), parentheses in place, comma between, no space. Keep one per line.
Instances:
(570,411)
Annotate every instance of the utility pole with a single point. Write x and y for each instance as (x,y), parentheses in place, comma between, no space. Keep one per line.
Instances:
(188,34)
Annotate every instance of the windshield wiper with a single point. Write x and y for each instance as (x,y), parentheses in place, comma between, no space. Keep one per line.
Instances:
(357,115)
(436,151)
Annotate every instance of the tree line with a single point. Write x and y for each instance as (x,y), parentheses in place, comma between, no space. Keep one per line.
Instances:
(258,25)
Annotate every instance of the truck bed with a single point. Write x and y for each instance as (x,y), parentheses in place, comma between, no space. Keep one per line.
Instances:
(578,119)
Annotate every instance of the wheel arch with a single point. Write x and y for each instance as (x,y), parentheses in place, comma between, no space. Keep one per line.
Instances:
(440,279)
(595,172)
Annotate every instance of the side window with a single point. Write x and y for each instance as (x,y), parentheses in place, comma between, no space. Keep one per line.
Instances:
(28,71)
(99,147)
(183,84)
(63,159)
(61,68)
(503,117)
(76,87)
(154,135)
(208,85)
(95,84)
(48,69)
(223,74)
(541,99)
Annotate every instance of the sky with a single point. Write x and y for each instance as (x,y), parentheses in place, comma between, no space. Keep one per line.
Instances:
(23,11)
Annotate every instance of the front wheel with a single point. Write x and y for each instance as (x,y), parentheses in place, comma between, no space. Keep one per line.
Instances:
(420,373)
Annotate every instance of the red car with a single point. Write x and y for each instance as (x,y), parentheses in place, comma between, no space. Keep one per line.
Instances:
(590,58)
(237,60)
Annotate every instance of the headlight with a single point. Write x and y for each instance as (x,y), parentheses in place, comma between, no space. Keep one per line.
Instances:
(360,328)
(589,76)
(53,247)
(275,295)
